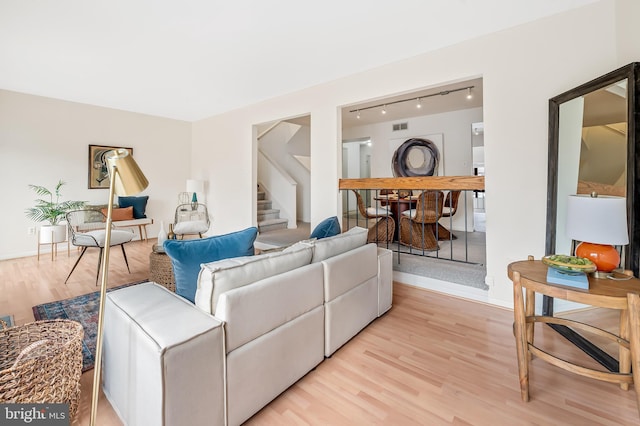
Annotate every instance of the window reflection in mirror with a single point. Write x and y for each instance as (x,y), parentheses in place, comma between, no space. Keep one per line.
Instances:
(592,149)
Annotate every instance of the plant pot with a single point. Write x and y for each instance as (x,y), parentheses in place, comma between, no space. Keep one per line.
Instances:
(53,234)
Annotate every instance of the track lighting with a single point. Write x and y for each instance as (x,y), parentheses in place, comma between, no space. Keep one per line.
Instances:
(419,100)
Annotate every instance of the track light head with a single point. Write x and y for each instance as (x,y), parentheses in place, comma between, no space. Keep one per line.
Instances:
(469,94)
(419,104)
(384,109)
(358,114)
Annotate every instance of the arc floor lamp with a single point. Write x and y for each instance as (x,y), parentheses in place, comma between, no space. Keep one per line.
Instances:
(125,178)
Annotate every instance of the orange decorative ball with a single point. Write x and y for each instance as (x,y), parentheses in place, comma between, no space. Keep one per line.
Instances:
(605,256)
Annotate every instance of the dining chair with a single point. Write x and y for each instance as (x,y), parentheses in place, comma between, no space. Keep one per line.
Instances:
(448,210)
(418,226)
(87,228)
(384,228)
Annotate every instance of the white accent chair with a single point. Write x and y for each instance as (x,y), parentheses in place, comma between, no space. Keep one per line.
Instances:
(191,219)
(93,234)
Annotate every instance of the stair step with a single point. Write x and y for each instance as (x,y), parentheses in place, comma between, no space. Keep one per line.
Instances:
(264,204)
(261,195)
(267,214)
(272,225)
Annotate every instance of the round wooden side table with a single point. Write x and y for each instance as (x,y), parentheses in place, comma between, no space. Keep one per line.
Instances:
(160,269)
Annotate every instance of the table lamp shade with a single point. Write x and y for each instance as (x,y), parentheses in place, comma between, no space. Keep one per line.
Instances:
(599,222)
(129,179)
(194,185)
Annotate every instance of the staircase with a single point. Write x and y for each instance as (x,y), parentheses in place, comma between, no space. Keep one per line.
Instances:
(268,217)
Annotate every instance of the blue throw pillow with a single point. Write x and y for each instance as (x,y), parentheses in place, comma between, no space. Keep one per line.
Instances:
(187,256)
(139,205)
(327,228)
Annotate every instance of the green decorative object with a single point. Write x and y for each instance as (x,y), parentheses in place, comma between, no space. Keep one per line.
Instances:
(51,209)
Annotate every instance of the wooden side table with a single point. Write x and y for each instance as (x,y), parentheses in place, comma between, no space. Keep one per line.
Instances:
(161,270)
(531,275)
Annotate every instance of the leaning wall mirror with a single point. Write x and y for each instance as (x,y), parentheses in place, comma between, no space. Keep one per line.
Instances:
(593,141)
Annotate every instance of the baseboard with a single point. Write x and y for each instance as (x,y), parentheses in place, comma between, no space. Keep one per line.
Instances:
(445,287)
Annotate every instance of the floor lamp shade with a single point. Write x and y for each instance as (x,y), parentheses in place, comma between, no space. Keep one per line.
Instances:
(599,223)
(125,178)
(129,179)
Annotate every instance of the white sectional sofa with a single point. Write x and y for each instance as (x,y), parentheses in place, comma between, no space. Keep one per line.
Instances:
(259,324)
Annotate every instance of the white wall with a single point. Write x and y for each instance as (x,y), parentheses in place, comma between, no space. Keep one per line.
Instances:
(43,140)
(521,68)
(280,144)
(456,154)
(455,127)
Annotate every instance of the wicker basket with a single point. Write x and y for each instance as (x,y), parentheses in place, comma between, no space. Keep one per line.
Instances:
(41,362)
(161,271)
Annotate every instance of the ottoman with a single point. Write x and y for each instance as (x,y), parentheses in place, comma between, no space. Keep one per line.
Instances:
(163,359)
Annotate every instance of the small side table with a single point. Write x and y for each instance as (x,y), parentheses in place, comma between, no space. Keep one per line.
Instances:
(160,269)
(531,276)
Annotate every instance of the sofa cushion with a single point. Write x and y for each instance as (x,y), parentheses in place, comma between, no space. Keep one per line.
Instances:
(218,277)
(327,228)
(332,246)
(191,227)
(139,205)
(269,303)
(187,256)
(339,274)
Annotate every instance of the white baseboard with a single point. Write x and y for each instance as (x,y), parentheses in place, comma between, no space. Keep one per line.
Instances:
(445,287)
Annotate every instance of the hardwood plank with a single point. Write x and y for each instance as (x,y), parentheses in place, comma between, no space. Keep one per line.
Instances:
(432,359)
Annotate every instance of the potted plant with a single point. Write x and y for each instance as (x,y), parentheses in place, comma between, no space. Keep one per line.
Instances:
(51,210)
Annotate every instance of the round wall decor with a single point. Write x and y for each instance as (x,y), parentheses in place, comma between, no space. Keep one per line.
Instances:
(416,157)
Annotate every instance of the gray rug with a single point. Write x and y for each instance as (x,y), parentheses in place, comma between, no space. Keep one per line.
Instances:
(471,275)
(284,237)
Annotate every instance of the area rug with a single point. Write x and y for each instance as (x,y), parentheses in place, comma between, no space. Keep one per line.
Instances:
(8,319)
(83,309)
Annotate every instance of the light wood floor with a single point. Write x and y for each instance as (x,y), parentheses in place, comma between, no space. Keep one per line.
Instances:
(431,360)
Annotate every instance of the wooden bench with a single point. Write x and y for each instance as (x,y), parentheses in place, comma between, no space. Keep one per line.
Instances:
(141,224)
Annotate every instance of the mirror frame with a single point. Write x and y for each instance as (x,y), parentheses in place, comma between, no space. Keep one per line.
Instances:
(631,253)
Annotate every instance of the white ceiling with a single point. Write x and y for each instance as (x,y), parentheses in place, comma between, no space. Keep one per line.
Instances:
(196,58)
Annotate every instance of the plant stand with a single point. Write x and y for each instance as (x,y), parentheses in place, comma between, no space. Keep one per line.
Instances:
(54,245)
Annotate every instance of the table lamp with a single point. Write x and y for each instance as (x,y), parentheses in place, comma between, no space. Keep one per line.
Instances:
(599,222)
(126,178)
(195,186)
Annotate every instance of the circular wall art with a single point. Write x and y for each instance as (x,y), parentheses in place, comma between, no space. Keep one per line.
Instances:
(416,157)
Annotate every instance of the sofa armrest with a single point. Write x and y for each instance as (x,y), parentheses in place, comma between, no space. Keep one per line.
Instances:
(385,280)
(164,359)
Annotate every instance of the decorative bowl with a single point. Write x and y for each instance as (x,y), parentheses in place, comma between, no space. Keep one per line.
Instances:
(569,264)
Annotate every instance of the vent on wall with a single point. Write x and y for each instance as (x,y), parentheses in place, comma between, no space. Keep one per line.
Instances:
(399,126)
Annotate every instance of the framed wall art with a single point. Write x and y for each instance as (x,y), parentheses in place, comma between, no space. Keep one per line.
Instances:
(98,171)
